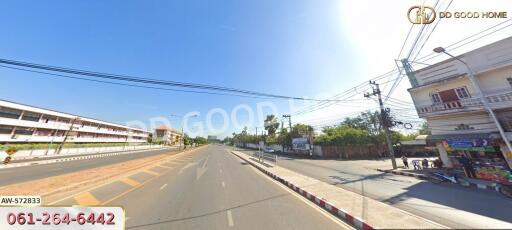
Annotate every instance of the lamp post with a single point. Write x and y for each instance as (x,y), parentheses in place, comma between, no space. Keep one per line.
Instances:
(474,81)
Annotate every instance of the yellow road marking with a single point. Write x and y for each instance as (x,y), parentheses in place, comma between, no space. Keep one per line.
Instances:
(131,182)
(151,172)
(86,198)
(79,196)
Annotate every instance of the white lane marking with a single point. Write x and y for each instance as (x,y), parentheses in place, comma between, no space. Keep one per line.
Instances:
(223,184)
(339,222)
(163,186)
(202,170)
(220,170)
(230,219)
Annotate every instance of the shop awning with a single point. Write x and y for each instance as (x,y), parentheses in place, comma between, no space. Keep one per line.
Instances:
(440,137)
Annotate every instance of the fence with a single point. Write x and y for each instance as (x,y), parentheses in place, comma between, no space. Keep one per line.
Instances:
(87,150)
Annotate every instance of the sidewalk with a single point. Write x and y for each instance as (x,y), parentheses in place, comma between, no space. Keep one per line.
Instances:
(423,174)
(362,212)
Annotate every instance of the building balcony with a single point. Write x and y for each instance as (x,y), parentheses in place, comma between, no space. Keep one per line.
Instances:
(496,100)
(71,139)
(66,126)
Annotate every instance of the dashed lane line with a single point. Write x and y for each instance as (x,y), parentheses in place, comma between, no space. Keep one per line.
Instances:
(163,186)
(230,219)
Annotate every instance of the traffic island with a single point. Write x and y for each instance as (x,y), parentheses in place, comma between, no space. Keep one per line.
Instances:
(359,211)
(56,187)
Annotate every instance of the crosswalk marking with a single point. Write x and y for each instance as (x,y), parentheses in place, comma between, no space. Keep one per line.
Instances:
(131,182)
(86,198)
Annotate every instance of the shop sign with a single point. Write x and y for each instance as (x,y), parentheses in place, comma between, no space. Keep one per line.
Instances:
(300,143)
(478,144)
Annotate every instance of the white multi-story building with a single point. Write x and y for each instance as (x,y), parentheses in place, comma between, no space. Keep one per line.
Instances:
(23,123)
(444,96)
(168,135)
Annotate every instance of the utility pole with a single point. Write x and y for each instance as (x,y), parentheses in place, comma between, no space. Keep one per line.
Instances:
(66,136)
(289,125)
(384,120)
(182,137)
(289,121)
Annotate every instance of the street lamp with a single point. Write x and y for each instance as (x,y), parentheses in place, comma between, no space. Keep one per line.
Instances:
(474,81)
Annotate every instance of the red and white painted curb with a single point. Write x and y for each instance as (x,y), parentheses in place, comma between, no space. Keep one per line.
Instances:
(338,212)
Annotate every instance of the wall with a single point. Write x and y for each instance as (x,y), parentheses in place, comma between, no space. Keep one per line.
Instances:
(488,57)
(91,150)
(480,121)
(352,151)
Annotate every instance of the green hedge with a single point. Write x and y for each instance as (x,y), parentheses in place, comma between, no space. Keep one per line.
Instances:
(31,146)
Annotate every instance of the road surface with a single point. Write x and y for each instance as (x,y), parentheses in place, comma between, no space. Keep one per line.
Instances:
(450,205)
(34,172)
(216,190)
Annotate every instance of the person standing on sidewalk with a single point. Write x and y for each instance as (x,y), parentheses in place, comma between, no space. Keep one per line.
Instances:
(404,160)
(467,166)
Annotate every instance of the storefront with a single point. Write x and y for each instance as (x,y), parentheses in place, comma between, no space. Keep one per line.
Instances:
(485,153)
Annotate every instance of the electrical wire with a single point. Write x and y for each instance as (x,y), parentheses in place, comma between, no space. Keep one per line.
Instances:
(151,81)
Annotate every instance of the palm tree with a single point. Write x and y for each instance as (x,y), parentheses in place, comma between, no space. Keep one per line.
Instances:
(271,124)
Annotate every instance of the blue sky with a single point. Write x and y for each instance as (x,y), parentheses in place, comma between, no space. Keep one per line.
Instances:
(270,46)
(299,48)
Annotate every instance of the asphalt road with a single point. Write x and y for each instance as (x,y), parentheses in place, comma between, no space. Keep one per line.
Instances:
(450,205)
(216,190)
(34,172)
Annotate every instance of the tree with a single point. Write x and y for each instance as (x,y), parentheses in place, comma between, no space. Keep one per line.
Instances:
(271,124)
(187,140)
(299,130)
(424,129)
(200,140)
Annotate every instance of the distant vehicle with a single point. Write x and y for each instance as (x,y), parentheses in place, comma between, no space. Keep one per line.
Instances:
(268,150)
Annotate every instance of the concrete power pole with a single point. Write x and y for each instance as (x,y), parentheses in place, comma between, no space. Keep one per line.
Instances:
(66,135)
(289,121)
(289,125)
(383,119)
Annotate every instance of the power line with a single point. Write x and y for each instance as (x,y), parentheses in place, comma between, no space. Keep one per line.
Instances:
(451,46)
(150,81)
(130,85)
(431,31)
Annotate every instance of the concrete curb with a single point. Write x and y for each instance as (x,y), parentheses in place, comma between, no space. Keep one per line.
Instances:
(42,162)
(338,212)
(493,186)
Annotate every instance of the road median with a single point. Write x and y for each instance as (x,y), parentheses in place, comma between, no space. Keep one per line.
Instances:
(53,188)
(362,212)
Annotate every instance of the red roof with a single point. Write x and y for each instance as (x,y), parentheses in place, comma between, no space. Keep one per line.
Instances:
(165,127)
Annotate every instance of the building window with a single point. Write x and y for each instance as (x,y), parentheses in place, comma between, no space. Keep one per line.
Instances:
(24,131)
(9,113)
(462,92)
(29,116)
(436,98)
(4,129)
(48,118)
